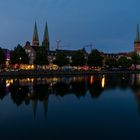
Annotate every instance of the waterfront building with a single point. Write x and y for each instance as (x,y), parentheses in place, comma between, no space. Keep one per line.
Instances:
(51,55)
(70,53)
(116,55)
(31,52)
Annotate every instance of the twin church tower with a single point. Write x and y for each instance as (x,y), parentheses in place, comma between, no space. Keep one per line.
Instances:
(45,42)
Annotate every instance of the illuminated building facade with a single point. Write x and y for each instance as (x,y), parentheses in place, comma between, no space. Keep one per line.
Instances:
(31,52)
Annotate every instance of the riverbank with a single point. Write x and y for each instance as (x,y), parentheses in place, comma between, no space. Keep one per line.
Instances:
(43,73)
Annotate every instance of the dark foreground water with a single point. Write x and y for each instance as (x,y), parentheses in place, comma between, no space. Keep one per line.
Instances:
(74,108)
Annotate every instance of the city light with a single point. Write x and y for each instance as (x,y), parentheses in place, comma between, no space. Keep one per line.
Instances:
(9,82)
(91,80)
(103,82)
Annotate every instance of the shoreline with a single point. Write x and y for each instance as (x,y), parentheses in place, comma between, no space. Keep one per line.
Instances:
(43,73)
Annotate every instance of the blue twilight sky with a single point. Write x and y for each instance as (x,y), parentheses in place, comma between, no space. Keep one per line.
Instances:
(108,24)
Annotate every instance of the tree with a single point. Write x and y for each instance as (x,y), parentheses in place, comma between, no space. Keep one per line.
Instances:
(41,56)
(19,56)
(95,58)
(61,59)
(78,59)
(111,62)
(135,58)
(2,57)
(124,62)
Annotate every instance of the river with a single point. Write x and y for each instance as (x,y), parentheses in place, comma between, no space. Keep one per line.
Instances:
(92,107)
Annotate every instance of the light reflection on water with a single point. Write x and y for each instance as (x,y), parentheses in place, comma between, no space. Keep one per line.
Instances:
(78,107)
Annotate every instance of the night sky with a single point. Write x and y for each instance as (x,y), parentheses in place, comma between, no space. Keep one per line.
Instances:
(110,25)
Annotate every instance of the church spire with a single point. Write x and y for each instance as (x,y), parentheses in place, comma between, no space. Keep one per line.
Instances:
(45,42)
(35,36)
(137,39)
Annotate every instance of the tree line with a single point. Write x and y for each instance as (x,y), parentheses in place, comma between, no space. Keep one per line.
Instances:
(79,58)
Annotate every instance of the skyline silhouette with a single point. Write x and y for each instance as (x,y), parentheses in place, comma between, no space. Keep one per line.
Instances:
(110,26)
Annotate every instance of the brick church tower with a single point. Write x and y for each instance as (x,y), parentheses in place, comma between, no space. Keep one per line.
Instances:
(137,42)
(46,42)
(35,37)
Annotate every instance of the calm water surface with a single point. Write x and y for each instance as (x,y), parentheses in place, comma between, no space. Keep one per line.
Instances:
(89,108)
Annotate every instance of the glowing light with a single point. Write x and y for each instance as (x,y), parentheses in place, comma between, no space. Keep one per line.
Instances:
(7,63)
(29,95)
(32,66)
(8,55)
(32,80)
(9,82)
(91,80)
(103,81)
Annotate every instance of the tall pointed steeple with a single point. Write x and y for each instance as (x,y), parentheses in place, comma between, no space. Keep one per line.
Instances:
(137,42)
(35,36)
(45,42)
(137,39)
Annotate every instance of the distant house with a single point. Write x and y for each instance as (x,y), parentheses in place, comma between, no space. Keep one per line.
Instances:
(51,56)
(30,51)
(116,55)
(70,53)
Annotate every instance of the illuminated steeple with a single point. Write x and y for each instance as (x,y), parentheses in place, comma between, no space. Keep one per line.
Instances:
(35,36)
